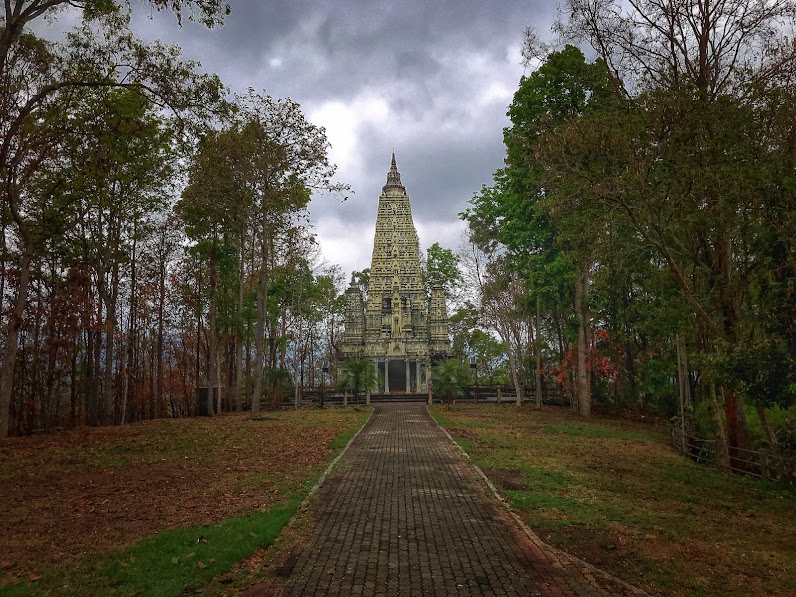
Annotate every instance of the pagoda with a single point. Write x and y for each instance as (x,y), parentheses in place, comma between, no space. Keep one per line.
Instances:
(401,327)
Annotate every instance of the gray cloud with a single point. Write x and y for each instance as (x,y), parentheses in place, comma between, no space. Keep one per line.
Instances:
(431,78)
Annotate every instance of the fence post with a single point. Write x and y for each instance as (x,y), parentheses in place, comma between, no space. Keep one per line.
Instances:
(499,394)
(763,463)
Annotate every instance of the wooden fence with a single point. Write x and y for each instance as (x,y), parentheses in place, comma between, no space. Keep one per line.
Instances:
(760,464)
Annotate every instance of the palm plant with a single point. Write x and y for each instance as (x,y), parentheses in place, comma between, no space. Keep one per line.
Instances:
(357,374)
(449,379)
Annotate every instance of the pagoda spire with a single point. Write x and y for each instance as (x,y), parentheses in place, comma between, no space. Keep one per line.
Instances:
(394,179)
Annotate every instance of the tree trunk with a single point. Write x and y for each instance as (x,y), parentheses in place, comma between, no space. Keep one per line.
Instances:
(684,387)
(95,386)
(239,340)
(582,374)
(125,389)
(723,454)
(108,413)
(12,340)
(73,387)
(198,332)
(218,384)
(3,256)
(518,386)
(682,373)
(129,357)
(538,352)
(737,432)
(35,391)
(562,347)
(212,356)
(772,439)
(159,344)
(259,328)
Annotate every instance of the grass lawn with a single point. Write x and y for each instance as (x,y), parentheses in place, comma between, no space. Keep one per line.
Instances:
(157,507)
(616,495)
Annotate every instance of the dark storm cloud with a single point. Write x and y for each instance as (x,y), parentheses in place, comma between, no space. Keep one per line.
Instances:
(430,78)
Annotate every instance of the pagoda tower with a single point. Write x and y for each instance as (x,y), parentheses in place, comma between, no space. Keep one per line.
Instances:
(401,328)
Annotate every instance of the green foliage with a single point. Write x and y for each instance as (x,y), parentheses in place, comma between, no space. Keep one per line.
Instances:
(470,340)
(764,372)
(449,379)
(278,377)
(678,203)
(462,322)
(657,391)
(207,12)
(442,266)
(357,374)
(219,198)
(362,279)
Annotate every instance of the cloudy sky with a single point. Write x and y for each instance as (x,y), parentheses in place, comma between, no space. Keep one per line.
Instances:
(430,78)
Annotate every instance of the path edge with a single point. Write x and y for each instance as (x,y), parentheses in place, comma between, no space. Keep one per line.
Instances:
(315,488)
(302,508)
(331,466)
(528,531)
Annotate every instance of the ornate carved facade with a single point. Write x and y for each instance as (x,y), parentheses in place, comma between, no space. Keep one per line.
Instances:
(398,326)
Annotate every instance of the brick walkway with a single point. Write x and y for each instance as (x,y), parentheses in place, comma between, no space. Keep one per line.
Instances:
(408,515)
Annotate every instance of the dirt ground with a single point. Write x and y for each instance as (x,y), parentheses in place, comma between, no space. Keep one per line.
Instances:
(71,494)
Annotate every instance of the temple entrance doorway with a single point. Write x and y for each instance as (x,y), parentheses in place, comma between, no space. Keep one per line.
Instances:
(397,372)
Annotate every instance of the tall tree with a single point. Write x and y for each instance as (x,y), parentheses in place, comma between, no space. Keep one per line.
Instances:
(289,160)
(541,247)
(216,208)
(698,75)
(37,84)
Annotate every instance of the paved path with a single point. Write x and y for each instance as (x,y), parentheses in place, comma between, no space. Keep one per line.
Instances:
(408,515)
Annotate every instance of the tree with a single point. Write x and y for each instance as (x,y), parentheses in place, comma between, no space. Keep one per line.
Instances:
(500,299)
(289,160)
(18,15)
(442,265)
(357,374)
(122,162)
(40,83)
(547,252)
(362,279)
(688,160)
(490,355)
(166,242)
(722,46)
(217,207)
(449,379)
